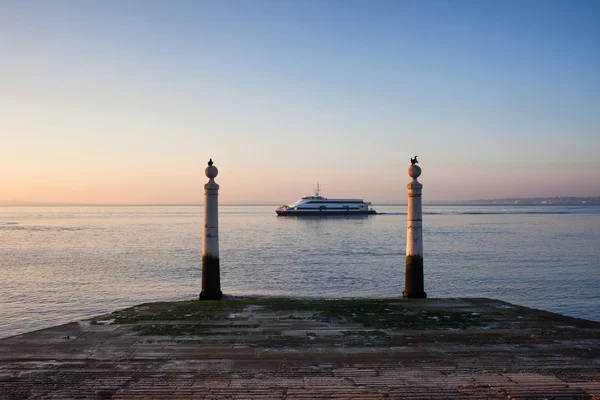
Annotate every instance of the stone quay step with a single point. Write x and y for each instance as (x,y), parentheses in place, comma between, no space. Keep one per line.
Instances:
(274,348)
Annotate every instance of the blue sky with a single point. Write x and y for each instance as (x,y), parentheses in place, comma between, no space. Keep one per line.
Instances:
(125,101)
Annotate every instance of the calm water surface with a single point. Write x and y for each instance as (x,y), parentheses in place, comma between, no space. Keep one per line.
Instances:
(60,264)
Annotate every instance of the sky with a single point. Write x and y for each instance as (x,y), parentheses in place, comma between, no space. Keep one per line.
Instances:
(124,102)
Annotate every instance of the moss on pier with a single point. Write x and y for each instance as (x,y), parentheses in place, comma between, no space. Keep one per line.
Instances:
(179,310)
(371,313)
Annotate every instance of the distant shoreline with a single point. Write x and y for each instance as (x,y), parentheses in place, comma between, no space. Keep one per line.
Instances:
(521,201)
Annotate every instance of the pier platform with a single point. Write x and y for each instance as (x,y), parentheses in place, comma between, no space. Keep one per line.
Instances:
(242,348)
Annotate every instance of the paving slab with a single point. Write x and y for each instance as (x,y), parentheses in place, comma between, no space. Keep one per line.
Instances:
(309,349)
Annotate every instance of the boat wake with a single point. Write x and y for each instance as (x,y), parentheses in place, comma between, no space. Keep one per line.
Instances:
(391,213)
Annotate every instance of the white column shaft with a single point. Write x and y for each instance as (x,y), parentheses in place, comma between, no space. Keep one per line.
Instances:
(414,223)
(210,246)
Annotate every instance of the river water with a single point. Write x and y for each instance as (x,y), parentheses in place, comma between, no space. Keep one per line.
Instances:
(59,264)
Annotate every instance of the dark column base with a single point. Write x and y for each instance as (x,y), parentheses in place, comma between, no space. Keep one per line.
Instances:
(211,295)
(407,295)
(413,279)
(211,279)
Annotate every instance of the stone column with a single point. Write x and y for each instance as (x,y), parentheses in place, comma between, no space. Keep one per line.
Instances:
(211,279)
(413,279)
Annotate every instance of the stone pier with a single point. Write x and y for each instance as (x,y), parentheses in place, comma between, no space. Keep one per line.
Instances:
(309,349)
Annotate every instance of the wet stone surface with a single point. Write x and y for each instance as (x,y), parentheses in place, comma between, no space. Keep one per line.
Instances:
(304,349)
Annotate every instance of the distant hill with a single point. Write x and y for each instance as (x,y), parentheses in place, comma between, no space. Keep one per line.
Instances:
(563,201)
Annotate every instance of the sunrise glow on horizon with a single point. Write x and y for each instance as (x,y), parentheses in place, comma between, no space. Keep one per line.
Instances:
(124,102)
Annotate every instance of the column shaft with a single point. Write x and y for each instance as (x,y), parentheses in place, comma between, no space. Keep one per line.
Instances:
(211,276)
(414,286)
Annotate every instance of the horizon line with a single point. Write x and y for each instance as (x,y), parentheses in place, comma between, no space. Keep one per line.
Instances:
(150,204)
(431,202)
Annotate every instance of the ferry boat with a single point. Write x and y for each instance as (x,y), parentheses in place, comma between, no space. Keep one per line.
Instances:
(319,205)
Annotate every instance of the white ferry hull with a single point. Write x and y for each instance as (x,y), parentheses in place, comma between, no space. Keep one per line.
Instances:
(283,212)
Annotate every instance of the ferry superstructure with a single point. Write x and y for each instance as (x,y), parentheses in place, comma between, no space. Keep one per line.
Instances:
(319,205)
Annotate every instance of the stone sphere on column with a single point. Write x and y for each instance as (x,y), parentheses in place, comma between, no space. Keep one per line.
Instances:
(414,171)
(211,171)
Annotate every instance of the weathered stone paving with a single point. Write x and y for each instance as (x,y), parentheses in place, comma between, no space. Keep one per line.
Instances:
(309,349)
